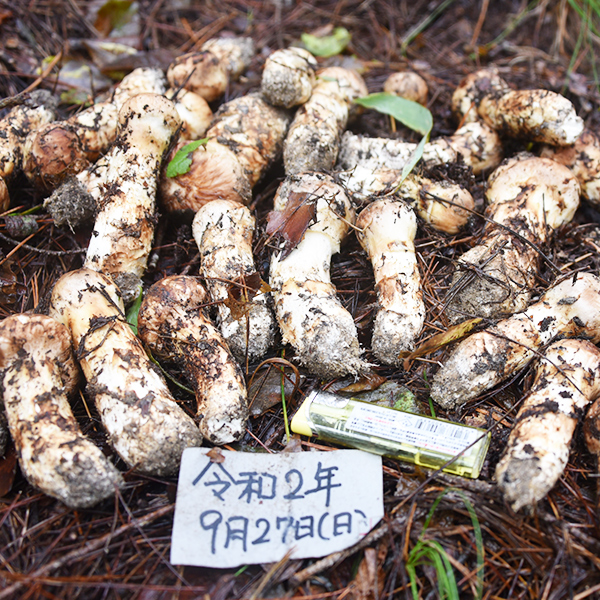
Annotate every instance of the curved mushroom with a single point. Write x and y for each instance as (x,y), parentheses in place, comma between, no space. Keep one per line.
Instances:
(124,228)
(310,316)
(146,427)
(386,230)
(172,323)
(528,199)
(567,379)
(37,372)
(223,232)
(570,308)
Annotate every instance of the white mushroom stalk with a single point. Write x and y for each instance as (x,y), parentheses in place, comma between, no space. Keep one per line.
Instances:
(124,228)
(583,158)
(208,72)
(310,316)
(407,84)
(173,324)
(567,379)
(37,110)
(223,231)
(479,146)
(528,198)
(386,229)
(314,136)
(288,77)
(145,425)
(37,371)
(373,167)
(245,138)
(570,308)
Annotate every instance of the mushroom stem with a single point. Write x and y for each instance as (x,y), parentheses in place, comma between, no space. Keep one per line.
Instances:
(310,316)
(529,198)
(145,426)
(313,139)
(223,232)
(570,308)
(386,230)
(37,369)
(173,324)
(124,229)
(567,379)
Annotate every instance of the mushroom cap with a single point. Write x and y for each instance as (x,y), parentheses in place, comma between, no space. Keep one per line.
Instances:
(542,186)
(407,84)
(144,80)
(288,77)
(51,154)
(173,299)
(203,73)
(472,89)
(215,174)
(40,336)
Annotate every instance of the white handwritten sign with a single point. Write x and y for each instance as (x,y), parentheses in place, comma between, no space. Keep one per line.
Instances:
(252,508)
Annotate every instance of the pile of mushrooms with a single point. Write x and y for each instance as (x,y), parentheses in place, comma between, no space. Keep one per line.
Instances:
(109,163)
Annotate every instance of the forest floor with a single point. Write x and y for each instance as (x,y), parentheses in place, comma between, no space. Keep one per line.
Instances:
(120,549)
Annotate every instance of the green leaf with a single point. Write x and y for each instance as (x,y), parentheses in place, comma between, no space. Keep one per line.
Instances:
(133,312)
(74,96)
(117,12)
(413,159)
(409,113)
(182,161)
(329,45)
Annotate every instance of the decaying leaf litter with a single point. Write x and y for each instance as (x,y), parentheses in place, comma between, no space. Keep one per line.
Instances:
(119,549)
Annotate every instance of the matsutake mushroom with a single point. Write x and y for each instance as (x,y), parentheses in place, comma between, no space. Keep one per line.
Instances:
(386,229)
(528,198)
(60,149)
(567,379)
(288,77)
(37,372)
(244,140)
(38,108)
(313,139)
(124,228)
(570,308)
(407,84)
(535,115)
(207,72)
(583,158)
(223,231)
(172,323)
(310,316)
(145,426)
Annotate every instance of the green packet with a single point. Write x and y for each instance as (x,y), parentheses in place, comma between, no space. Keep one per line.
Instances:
(425,441)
